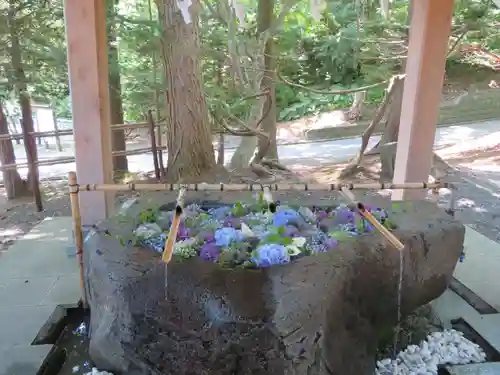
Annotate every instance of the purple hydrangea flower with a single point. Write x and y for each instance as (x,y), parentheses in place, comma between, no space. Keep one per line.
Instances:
(224,236)
(291,231)
(345,216)
(183,232)
(207,236)
(331,243)
(210,251)
(321,214)
(283,217)
(269,255)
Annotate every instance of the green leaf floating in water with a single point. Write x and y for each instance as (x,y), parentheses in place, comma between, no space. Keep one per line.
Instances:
(360,225)
(340,235)
(389,224)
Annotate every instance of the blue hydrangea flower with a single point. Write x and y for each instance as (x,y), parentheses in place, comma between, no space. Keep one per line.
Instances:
(156,243)
(220,212)
(283,217)
(269,255)
(225,236)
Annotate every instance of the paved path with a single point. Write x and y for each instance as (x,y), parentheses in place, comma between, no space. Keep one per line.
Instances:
(322,152)
(37,274)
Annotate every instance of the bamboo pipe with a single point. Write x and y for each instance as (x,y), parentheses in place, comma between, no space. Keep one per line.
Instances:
(335,186)
(172,235)
(391,238)
(268,197)
(78,232)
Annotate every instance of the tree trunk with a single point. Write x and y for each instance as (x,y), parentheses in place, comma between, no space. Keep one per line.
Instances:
(254,146)
(115,90)
(14,185)
(24,103)
(265,17)
(189,141)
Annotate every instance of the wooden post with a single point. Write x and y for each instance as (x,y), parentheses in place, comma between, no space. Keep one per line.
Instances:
(87,44)
(56,129)
(77,232)
(427,49)
(152,136)
(160,152)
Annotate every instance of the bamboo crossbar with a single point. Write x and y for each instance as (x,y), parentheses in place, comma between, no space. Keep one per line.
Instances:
(335,186)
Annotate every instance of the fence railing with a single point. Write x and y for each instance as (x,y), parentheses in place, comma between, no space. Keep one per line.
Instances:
(30,141)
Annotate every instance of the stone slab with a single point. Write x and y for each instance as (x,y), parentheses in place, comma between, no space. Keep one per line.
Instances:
(65,292)
(479,271)
(23,360)
(450,306)
(489,368)
(488,327)
(42,252)
(19,326)
(25,291)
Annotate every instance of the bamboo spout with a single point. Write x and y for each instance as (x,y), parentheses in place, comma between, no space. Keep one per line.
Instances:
(174,228)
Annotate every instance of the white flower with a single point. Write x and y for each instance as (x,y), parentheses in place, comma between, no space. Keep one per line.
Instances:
(299,241)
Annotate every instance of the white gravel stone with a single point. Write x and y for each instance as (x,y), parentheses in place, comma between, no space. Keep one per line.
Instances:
(97,372)
(449,347)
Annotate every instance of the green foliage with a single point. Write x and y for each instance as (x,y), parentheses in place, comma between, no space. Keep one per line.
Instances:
(149,215)
(350,47)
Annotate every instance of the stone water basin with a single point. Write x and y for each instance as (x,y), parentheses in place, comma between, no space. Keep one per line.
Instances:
(319,312)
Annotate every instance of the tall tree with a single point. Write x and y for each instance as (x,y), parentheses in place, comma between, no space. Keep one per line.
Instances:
(14,20)
(189,141)
(115,89)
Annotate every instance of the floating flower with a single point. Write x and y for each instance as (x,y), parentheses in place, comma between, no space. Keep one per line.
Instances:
(292,250)
(344,216)
(224,236)
(207,236)
(186,248)
(321,215)
(291,231)
(182,232)
(299,241)
(156,243)
(210,251)
(269,255)
(247,232)
(285,216)
(148,230)
(220,212)
(332,243)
